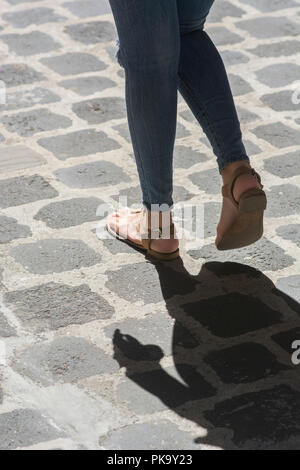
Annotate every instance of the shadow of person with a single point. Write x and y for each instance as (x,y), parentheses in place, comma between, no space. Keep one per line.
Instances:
(231,349)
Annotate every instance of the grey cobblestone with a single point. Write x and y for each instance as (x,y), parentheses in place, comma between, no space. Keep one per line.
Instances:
(32,122)
(19,74)
(53,306)
(26,427)
(48,256)
(36,16)
(63,360)
(92,32)
(87,85)
(69,213)
(92,175)
(6,331)
(74,63)
(24,189)
(11,230)
(78,144)
(29,44)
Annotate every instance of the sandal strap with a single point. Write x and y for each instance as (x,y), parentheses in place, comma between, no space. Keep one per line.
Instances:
(227,189)
(155,234)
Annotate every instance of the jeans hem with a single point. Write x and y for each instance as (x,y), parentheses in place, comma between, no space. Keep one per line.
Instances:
(164,207)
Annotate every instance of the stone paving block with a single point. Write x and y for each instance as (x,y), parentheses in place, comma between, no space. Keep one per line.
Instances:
(6,331)
(78,144)
(28,98)
(98,110)
(86,86)
(52,306)
(221,10)
(239,85)
(91,33)
(244,363)
(280,101)
(11,230)
(221,36)
(277,49)
(271,5)
(25,427)
(74,63)
(158,390)
(36,16)
(181,131)
(155,330)
(55,255)
(233,57)
(278,75)
(259,419)
(290,286)
(18,157)
(32,122)
(87,8)
(185,157)
(284,166)
(151,436)
(283,200)
(188,116)
(232,315)
(208,181)
(63,360)
(246,116)
(269,27)
(31,43)
(19,74)
(264,255)
(278,134)
(23,190)
(251,148)
(145,285)
(115,247)
(69,213)
(285,339)
(123,130)
(92,175)
(290,232)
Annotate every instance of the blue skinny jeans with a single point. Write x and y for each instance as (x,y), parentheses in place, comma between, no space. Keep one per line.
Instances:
(163,48)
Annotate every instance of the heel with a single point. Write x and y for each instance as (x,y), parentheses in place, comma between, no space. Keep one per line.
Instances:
(254,200)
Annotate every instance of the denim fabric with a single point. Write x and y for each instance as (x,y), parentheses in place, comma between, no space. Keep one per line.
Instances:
(163,48)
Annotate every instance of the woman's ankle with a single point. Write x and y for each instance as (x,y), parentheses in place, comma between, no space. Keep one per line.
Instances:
(228,171)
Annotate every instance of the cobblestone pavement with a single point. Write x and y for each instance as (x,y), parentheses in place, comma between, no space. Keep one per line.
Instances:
(206,362)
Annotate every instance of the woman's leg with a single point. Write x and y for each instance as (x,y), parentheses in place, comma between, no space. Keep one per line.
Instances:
(204,85)
(149,52)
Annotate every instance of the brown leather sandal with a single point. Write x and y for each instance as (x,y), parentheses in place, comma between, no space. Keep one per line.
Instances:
(147,239)
(248,226)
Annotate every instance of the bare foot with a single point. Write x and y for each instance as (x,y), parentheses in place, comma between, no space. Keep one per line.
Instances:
(129,224)
(229,211)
